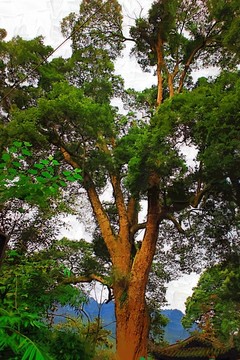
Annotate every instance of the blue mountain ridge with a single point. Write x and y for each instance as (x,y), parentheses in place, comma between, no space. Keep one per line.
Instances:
(174,330)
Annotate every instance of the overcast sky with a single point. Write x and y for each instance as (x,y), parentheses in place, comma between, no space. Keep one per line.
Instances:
(31,18)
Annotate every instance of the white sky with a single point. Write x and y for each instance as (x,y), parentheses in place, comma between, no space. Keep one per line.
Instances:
(31,18)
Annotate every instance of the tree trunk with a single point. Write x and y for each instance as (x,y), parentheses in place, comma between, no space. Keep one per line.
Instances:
(160,66)
(132,322)
(130,269)
(129,289)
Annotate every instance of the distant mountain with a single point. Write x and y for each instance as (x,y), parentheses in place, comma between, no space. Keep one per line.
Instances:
(173,331)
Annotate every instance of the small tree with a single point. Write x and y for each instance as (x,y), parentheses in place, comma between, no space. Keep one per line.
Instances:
(214,304)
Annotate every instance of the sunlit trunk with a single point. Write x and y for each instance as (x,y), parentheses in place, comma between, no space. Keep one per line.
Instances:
(132,322)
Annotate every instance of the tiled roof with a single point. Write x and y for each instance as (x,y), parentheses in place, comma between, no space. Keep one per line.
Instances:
(194,346)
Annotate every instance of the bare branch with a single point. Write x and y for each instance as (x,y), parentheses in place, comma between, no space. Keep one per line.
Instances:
(175,222)
(198,197)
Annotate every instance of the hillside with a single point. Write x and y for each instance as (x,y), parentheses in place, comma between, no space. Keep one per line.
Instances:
(174,330)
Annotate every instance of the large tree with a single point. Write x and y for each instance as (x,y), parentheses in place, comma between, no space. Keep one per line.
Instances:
(137,160)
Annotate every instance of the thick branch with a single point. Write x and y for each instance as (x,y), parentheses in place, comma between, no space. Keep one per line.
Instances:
(101,216)
(144,256)
(118,194)
(68,158)
(121,207)
(160,65)
(132,212)
(83,279)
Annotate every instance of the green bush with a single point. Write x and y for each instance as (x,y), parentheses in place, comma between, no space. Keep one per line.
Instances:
(69,345)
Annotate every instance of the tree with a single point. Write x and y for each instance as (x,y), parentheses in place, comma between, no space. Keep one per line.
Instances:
(138,160)
(178,36)
(214,304)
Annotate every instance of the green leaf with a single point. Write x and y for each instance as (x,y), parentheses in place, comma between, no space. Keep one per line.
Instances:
(50,169)
(26,152)
(40,179)
(67,173)
(67,272)
(6,157)
(12,150)
(44,162)
(27,144)
(17,164)
(77,176)
(70,178)
(62,183)
(77,170)
(39,166)
(33,171)
(18,144)
(55,162)
(46,175)
(12,171)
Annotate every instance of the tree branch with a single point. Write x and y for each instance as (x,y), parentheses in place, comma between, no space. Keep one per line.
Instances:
(170,217)
(143,258)
(137,227)
(101,216)
(118,194)
(199,195)
(84,279)
(68,158)
(187,65)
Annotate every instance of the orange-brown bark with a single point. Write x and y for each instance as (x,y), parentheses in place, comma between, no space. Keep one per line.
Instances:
(160,65)
(131,311)
(130,270)
(132,323)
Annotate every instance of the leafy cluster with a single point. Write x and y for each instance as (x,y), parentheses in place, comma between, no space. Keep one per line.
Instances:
(214,305)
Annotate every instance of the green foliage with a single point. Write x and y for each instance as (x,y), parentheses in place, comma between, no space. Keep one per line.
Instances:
(180,31)
(18,62)
(214,305)
(36,183)
(103,35)
(208,117)
(11,337)
(157,324)
(69,345)
(30,289)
